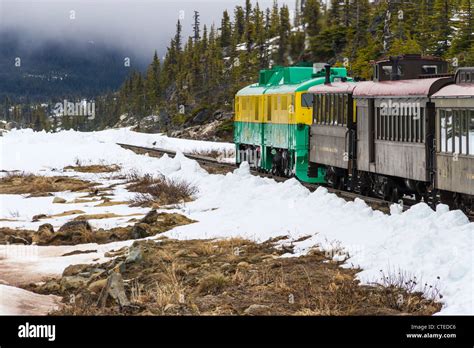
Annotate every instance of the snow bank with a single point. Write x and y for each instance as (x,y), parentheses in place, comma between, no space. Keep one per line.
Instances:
(15,301)
(434,246)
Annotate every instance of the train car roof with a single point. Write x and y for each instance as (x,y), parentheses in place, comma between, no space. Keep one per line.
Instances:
(465,90)
(401,88)
(335,87)
(300,87)
(254,89)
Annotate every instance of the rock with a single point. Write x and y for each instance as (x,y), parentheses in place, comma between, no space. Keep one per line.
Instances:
(257,309)
(150,217)
(75,270)
(11,125)
(43,235)
(115,289)
(38,217)
(59,200)
(170,306)
(135,255)
(51,286)
(97,286)
(243,264)
(73,282)
(72,233)
(201,116)
(139,230)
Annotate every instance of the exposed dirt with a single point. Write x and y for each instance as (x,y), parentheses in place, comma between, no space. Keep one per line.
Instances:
(40,185)
(230,277)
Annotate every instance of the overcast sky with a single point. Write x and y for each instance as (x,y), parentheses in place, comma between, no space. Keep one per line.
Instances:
(138,25)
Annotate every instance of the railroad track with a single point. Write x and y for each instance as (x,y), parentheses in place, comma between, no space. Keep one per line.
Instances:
(214,166)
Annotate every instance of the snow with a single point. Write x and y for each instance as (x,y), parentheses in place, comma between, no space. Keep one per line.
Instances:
(436,247)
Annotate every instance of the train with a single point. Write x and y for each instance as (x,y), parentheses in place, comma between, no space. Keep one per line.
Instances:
(408,133)
(273,118)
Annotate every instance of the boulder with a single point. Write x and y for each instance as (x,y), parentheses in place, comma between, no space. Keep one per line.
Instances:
(72,233)
(135,255)
(257,309)
(97,286)
(43,235)
(150,217)
(59,200)
(114,288)
(73,282)
(139,230)
(38,217)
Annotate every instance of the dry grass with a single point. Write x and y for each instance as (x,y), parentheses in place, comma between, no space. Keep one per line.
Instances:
(210,278)
(94,168)
(213,283)
(102,216)
(21,183)
(156,191)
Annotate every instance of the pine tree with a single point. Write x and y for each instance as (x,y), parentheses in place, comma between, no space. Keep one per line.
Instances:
(284,34)
(239,23)
(152,83)
(441,20)
(465,29)
(311,15)
(226,30)
(196,26)
(274,29)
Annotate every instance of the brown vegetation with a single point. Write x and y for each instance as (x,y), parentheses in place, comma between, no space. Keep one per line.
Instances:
(156,191)
(94,168)
(40,185)
(229,277)
(79,231)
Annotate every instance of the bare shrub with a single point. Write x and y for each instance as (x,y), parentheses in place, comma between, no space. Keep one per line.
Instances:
(159,190)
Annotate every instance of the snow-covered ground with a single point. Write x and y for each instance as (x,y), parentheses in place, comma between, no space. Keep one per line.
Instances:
(436,247)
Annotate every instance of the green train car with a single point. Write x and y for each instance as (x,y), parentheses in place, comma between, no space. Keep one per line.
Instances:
(273,119)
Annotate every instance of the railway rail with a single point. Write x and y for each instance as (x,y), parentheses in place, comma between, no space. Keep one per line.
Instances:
(221,167)
(208,162)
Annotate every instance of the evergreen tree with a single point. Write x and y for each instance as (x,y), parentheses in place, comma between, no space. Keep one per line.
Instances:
(226,30)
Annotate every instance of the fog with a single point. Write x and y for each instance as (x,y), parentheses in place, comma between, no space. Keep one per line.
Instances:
(135,26)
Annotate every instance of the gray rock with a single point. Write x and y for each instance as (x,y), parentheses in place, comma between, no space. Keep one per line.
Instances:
(73,282)
(257,309)
(135,255)
(139,230)
(150,217)
(115,289)
(59,200)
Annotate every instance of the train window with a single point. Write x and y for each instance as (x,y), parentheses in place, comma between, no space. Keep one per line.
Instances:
(449,131)
(284,102)
(387,70)
(307,100)
(470,139)
(429,69)
(456,130)
(323,109)
(463,130)
(269,108)
(345,108)
(257,108)
(442,130)
(331,108)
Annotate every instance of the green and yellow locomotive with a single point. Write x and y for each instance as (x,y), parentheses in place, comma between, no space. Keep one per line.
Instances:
(273,119)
